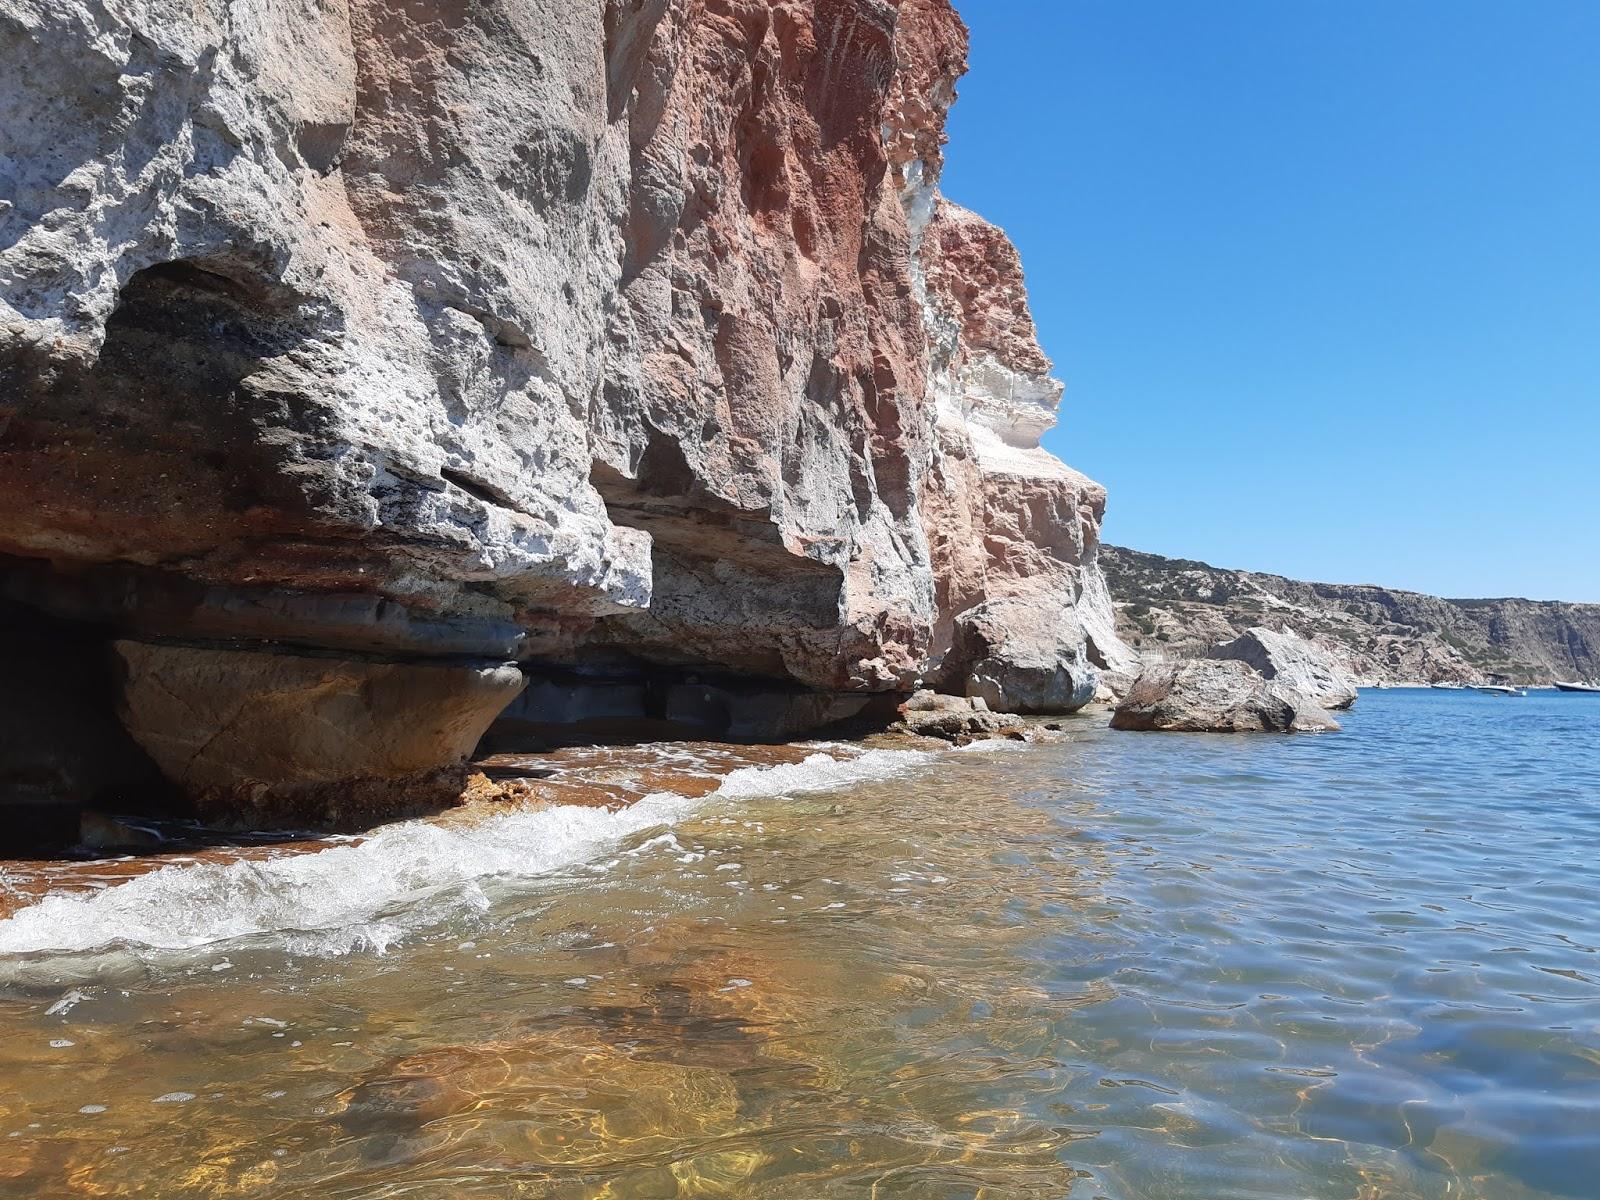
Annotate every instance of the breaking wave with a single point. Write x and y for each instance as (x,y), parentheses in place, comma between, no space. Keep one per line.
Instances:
(367,895)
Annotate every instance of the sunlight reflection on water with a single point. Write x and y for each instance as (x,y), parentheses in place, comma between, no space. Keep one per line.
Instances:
(1142,967)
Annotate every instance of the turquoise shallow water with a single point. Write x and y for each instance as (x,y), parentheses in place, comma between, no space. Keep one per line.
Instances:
(1140,967)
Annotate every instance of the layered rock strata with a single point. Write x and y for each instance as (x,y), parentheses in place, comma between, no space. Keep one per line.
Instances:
(628,338)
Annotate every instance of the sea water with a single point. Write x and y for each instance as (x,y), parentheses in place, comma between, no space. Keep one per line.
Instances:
(1137,966)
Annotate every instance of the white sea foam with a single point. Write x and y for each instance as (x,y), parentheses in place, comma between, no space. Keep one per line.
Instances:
(367,895)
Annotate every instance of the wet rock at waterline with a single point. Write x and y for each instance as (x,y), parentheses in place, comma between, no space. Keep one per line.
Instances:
(668,352)
(1211,696)
(950,718)
(1291,660)
(271,739)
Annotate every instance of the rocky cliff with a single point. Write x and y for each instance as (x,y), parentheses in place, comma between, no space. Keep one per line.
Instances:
(1381,635)
(356,349)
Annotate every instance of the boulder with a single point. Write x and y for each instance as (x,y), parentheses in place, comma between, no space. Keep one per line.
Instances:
(1214,696)
(1025,656)
(951,718)
(286,740)
(1290,659)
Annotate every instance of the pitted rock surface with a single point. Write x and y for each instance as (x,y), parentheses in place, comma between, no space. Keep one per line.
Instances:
(1212,696)
(632,332)
(1291,660)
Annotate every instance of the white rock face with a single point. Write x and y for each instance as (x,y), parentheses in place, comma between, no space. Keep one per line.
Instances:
(631,331)
(1290,659)
(251,167)
(1207,696)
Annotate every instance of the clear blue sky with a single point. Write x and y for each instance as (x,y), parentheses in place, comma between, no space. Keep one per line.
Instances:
(1322,276)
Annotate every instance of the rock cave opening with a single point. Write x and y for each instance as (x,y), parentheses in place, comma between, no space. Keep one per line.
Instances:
(67,764)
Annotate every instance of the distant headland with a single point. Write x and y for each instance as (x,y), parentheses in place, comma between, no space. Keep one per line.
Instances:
(1382,635)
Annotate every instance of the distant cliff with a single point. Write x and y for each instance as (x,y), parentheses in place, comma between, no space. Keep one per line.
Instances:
(1384,635)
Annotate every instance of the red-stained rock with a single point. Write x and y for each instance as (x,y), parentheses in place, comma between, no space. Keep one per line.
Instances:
(975,279)
(624,331)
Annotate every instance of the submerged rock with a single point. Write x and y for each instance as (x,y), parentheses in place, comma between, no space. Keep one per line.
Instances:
(1300,665)
(1211,696)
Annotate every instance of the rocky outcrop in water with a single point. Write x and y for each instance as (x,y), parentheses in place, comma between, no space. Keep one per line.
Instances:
(950,718)
(1379,635)
(629,339)
(1299,665)
(1213,696)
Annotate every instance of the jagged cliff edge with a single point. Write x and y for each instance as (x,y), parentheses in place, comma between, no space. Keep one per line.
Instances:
(353,352)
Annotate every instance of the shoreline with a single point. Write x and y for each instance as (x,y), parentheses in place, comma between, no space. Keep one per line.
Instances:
(608,780)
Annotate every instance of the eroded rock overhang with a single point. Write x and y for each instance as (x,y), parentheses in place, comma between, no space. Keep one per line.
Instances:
(344,344)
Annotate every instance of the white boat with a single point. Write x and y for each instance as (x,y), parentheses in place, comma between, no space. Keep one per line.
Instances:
(1577,687)
(1499,689)
(1448,687)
